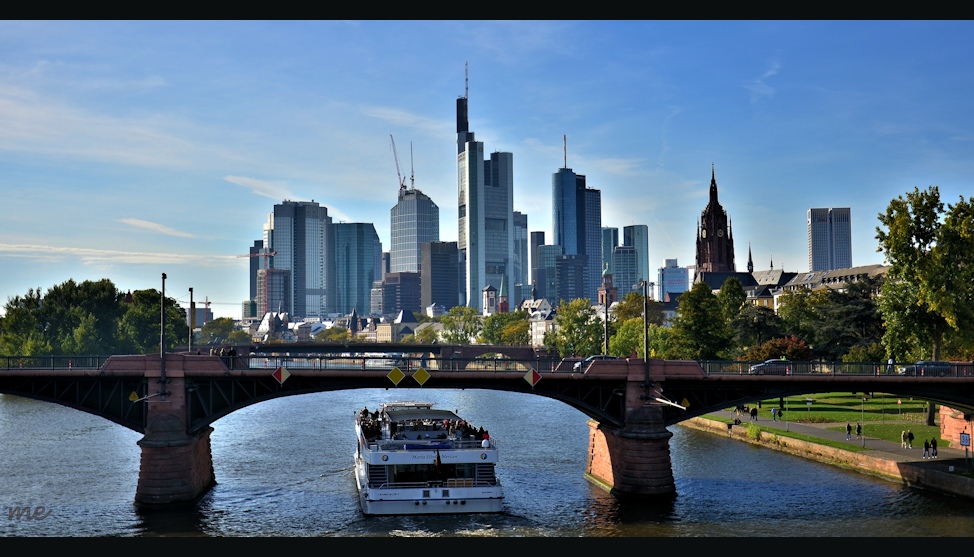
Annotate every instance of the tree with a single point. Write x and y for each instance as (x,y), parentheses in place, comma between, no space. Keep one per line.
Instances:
(929,287)
(217,331)
(699,330)
(847,318)
(797,312)
(578,331)
(631,306)
(731,298)
(790,347)
(493,326)
(460,325)
(426,335)
(754,325)
(334,334)
(628,339)
(139,327)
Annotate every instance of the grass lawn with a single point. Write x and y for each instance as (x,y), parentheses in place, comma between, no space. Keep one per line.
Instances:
(883,416)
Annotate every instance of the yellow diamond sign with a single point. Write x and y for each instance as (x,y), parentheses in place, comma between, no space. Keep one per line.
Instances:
(396,375)
(421,376)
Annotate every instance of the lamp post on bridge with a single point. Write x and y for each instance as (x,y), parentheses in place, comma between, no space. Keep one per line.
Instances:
(162,337)
(644,284)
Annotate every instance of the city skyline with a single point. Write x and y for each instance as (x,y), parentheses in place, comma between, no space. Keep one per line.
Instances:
(133,148)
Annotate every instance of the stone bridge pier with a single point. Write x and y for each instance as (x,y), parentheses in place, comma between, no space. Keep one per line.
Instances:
(175,467)
(633,461)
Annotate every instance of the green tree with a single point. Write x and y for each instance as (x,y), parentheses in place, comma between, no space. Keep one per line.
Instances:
(139,327)
(493,326)
(847,318)
(21,332)
(797,311)
(754,325)
(334,334)
(426,335)
(217,331)
(578,331)
(790,347)
(699,330)
(631,306)
(461,324)
(628,339)
(516,333)
(731,298)
(929,289)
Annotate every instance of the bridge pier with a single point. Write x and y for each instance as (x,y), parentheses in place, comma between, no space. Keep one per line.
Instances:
(633,461)
(175,467)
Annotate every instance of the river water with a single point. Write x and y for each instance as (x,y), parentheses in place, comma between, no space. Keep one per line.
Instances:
(284,468)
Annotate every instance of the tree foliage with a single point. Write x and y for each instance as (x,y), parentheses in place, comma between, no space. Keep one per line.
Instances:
(493,328)
(699,330)
(578,330)
(929,288)
(461,324)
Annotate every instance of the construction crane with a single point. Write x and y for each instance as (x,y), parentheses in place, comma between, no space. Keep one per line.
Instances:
(402,181)
(261,253)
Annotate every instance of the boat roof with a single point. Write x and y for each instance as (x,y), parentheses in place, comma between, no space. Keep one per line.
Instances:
(404,414)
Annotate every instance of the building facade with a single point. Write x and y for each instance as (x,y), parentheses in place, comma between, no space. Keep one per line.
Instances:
(829,239)
(637,236)
(610,239)
(485,212)
(672,279)
(577,225)
(414,219)
(358,263)
(625,261)
(522,262)
(439,275)
(301,235)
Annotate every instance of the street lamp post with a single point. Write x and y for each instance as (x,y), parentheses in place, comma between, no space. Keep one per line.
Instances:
(162,337)
(645,384)
(862,420)
(192,319)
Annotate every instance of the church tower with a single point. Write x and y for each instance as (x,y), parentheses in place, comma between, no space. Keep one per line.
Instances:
(715,242)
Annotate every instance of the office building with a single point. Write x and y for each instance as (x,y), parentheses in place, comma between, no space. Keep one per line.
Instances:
(672,279)
(637,236)
(610,239)
(439,275)
(577,225)
(414,219)
(522,263)
(625,261)
(829,239)
(358,262)
(536,241)
(485,212)
(300,233)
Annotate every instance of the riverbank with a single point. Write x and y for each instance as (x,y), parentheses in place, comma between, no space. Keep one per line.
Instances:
(871,456)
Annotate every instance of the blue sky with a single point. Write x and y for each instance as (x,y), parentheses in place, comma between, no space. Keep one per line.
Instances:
(130,149)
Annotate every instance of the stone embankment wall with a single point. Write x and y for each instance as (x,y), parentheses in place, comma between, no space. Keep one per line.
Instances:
(866,462)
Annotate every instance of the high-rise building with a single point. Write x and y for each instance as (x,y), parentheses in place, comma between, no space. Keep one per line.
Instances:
(536,241)
(400,292)
(715,242)
(300,233)
(439,276)
(673,279)
(485,212)
(577,225)
(547,278)
(522,263)
(625,261)
(610,239)
(415,219)
(637,236)
(829,239)
(358,256)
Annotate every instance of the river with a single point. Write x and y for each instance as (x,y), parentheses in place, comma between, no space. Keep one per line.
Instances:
(284,468)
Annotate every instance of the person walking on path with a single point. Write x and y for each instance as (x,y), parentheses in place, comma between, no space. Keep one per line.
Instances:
(926,448)
(858,430)
(903,439)
(848,431)
(774,414)
(933,448)
(754,414)
(909,439)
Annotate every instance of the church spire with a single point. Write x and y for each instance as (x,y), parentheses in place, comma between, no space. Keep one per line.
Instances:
(750,260)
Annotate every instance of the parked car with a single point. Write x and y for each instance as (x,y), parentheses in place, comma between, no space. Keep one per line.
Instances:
(928,367)
(583,364)
(775,366)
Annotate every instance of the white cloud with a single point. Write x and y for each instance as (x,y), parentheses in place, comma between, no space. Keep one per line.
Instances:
(274,190)
(758,88)
(155,227)
(90,256)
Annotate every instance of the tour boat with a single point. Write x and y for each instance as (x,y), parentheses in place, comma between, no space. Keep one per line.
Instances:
(414,459)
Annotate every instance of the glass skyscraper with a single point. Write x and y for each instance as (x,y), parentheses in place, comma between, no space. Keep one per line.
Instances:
(300,232)
(829,239)
(577,225)
(358,256)
(415,220)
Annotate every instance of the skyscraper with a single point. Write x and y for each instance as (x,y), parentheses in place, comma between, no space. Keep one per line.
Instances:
(610,239)
(439,277)
(625,265)
(715,242)
(414,219)
(672,279)
(829,239)
(637,236)
(358,262)
(522,263)
(577,226)
(485,212)
(300,232)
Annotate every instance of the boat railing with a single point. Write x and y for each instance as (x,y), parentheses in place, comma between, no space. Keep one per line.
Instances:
(428,445)
(449,483)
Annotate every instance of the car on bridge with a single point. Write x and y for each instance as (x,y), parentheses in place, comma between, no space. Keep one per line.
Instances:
(583,364)
(928,367)
(775,366)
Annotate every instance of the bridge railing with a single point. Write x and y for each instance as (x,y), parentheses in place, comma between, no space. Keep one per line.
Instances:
(380,362)
(52,362)
(787,367)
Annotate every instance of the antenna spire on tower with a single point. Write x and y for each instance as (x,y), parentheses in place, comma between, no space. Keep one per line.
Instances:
(564,148)
(466,80)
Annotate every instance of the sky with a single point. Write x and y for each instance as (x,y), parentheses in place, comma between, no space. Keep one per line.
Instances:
(133,149)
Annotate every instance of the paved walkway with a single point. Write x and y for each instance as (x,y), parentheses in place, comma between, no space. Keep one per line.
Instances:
(889,450)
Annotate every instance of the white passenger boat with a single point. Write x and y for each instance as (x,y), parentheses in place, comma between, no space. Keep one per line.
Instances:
(414,459)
